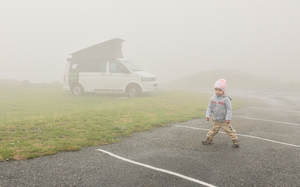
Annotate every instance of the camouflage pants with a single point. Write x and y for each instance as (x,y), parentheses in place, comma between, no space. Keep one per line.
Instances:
(228,129)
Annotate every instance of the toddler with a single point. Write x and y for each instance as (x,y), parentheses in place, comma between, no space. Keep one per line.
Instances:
(220,106)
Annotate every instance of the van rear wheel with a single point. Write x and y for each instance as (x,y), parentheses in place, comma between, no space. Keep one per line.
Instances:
(134,91)
(77,90)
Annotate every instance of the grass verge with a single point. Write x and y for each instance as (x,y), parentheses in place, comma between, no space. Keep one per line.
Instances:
(41,120)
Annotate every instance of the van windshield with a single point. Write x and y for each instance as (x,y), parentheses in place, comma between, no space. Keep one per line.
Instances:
(132,66)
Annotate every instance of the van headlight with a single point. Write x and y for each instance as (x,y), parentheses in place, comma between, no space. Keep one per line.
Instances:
(149,79)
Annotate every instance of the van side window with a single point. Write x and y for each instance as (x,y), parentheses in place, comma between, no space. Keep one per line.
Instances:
(117,67)
(102,66)
(96,67)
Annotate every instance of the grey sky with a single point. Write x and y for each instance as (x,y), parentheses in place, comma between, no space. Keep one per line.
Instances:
(170,38)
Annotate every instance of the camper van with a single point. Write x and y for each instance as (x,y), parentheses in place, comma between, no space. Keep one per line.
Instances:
(102,69)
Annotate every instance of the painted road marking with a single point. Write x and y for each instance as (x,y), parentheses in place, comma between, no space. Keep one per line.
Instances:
(274,109)
(268,120)
(157,169)
(273,141)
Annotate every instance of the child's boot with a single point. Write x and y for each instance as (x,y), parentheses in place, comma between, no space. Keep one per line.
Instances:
(207,141)
(235,144)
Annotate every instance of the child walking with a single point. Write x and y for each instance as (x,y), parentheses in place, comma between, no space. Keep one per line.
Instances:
(220,106)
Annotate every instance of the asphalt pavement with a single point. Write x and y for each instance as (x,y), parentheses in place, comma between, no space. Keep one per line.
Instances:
(269,154)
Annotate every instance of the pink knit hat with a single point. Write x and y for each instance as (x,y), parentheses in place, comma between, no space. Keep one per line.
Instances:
(221,83)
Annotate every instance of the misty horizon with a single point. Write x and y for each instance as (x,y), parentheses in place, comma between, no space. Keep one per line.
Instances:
(170,39)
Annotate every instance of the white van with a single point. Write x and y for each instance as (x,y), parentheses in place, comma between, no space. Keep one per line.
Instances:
(113,75)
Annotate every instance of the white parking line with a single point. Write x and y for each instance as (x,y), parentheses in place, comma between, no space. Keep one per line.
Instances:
(274,109)
(268,120)
(292,145)
(157,169)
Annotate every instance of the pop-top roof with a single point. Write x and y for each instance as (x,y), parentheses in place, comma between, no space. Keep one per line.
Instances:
(106,50)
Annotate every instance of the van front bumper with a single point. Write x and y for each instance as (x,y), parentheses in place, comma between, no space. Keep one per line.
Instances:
(149,86)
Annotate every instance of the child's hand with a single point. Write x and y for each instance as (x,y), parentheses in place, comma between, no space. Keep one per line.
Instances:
(207,119)
(227,122)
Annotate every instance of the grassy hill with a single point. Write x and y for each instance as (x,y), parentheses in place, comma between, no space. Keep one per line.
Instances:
(9,82)
(235,80)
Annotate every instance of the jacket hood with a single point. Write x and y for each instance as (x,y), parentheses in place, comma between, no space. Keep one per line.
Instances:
(223,96)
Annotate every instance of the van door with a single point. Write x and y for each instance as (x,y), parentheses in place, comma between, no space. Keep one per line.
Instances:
(118,76)
(95,76)
(75,73)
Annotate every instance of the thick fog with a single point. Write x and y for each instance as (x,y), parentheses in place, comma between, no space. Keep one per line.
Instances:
(171,38)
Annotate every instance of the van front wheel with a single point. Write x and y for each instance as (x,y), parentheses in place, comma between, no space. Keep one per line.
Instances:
(134,91)
(77,90)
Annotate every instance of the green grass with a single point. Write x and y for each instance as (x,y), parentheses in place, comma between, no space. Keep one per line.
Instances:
(42,119)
